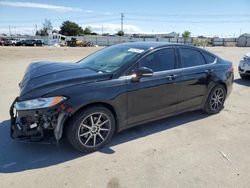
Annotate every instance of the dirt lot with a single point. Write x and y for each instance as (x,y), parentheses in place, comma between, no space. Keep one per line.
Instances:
(189,150)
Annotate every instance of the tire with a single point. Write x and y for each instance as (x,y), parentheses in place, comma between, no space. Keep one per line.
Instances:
(244,76)
(87,131)
(215,100)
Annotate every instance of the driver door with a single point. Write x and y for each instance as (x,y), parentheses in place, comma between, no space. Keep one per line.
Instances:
(156,96)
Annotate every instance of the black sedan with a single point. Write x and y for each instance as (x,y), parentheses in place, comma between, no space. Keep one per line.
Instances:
(35,42)
(116,88)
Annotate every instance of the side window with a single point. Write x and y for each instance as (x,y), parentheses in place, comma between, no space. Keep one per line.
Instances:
(191,57)
(209,58)
(132,69)
(160,60)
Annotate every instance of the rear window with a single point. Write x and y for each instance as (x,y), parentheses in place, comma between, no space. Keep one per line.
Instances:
(209,58)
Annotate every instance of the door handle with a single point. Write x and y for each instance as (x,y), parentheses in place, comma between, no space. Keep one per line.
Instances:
(171,77)
(209,71)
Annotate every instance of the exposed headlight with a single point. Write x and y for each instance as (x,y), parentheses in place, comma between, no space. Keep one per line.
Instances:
(39,103)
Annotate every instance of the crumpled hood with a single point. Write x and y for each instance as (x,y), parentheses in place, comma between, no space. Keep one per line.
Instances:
(43,77)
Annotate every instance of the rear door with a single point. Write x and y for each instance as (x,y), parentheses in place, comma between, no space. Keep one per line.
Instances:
(156,96)
(195,76)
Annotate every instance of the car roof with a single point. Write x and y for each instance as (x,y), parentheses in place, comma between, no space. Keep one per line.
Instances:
(154,45)
(149,45)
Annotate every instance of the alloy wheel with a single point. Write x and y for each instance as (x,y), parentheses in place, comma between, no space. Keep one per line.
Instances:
(217,99)
(94,129)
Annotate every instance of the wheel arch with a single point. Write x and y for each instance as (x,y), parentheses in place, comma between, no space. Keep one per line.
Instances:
(92,104)
(222,83)
(211,88)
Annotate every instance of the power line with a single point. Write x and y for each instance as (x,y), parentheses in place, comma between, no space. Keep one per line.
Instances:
(189,15)
(188,21)
(135,18)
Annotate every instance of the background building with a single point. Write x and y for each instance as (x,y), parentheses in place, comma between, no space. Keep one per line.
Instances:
(244,40)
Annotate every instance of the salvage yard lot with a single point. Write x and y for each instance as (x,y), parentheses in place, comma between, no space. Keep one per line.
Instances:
(189,150)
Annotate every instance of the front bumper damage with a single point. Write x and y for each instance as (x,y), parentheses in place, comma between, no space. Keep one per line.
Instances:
(35,125)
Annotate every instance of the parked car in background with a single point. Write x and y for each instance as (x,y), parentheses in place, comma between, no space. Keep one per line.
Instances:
(2,42)
(21,43)
(10,42)
(117,88)
(34,42)
(244,67)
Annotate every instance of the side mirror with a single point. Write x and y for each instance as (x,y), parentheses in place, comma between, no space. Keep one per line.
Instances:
(142,72)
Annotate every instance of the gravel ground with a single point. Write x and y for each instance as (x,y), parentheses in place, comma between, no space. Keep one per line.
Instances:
(189,150)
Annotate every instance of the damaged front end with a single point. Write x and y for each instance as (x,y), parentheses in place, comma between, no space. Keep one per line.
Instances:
(36,124)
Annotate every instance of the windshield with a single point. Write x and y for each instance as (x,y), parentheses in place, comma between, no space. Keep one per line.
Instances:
(110,59)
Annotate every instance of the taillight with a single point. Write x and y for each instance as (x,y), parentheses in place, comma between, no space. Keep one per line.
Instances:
(230,73)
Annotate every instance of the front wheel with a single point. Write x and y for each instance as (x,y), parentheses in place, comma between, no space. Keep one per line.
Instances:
(91,129)
(215,100)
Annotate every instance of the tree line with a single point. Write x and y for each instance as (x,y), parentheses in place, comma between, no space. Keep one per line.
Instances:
(69,28)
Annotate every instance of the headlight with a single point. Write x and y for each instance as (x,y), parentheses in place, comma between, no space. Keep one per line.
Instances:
(39,103)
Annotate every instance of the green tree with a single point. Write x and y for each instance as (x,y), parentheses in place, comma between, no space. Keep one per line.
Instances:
(87,31)
(120,33)
(186,35)
(69,28)
(47,26)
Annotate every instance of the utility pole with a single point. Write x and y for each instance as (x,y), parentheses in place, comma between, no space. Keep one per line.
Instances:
(122,16)
(102,29)
(35,29)
(15,30)
(9,31)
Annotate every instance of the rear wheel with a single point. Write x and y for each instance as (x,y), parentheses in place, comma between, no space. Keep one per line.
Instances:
(215,101)
(90,129)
